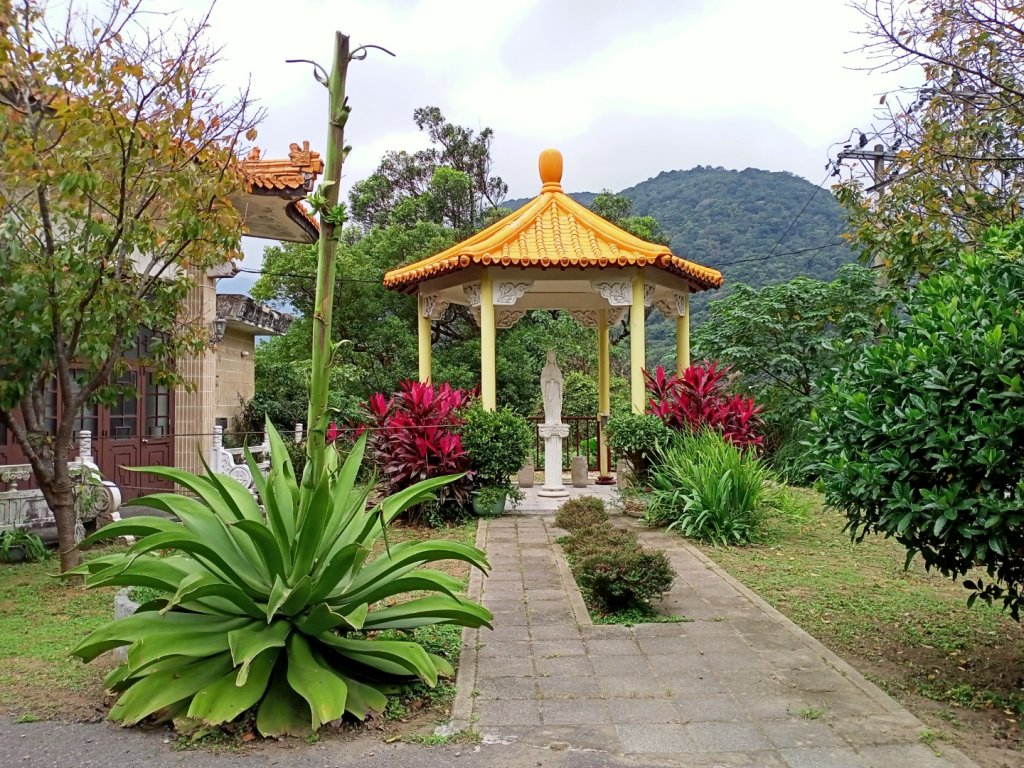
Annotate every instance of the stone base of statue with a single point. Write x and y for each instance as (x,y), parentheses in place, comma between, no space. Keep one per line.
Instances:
(553,435)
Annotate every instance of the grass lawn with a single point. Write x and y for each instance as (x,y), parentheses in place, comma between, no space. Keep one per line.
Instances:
(961,670)
(42,619)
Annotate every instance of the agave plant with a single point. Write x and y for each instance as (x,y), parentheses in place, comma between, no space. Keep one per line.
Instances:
(274,607)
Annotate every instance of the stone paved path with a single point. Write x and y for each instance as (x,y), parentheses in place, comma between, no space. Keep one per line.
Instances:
(740,685)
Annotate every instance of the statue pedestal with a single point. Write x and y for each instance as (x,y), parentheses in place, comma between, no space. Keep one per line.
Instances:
(553,435)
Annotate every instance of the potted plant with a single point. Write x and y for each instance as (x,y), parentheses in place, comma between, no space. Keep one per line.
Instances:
(18,545)
(497,443)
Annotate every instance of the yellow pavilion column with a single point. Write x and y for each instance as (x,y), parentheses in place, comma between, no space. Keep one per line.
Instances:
(423,336)
(604,396)
(637,345)
(683,333)
(488,378)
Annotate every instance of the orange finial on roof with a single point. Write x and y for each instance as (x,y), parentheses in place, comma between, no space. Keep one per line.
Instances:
(550,165)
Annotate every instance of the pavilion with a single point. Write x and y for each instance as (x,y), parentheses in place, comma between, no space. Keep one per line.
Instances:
(554,253)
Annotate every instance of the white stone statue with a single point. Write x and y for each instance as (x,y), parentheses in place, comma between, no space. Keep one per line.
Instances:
(552,430)
(551,384)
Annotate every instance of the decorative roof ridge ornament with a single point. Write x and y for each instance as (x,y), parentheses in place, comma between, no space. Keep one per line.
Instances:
(550,166)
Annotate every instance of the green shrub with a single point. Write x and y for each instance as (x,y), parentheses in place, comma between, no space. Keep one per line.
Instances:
(708,489)
(18,544)
(922,436)
(795,458)
(600,537)
(613,579)
(497,443)
(581,512)
(637,438)
(273,608)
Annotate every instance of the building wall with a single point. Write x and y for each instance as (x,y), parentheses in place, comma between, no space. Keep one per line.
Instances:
(236,374)
(194,411)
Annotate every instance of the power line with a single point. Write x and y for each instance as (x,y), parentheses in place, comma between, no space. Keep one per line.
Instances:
(794,221)
(377,281)
(787,253)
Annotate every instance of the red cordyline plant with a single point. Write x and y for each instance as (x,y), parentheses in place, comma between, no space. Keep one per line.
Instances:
(699,399)
(414,436)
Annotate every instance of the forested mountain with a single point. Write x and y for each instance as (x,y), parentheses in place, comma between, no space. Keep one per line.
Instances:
(720,217)
(731,220)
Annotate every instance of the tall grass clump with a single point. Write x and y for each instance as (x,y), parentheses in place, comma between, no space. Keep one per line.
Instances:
(708,489)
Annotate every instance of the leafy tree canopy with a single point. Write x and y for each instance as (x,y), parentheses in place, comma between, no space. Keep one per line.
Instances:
(922,434)
(118,159)
(956,150)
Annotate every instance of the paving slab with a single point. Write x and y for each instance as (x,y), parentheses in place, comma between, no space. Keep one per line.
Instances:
(736,684)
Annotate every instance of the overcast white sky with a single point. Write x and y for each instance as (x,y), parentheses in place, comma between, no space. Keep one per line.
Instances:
(624,88)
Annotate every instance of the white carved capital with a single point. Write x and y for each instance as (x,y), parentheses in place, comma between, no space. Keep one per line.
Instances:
(585,317)
(648,294)
(673,307)
(506,318)
(472,291)
(618,293)
(433,307)
(508,292)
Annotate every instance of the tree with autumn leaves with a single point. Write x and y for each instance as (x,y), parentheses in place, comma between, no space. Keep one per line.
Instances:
(119,156)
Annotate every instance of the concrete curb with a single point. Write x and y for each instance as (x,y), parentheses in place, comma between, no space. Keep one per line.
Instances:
(576,602)
(469,656)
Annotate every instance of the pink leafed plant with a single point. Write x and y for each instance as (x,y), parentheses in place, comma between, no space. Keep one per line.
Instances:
(699,399)
(414,435)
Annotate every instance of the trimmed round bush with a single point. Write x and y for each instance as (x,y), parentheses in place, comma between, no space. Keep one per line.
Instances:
(595,538)
(583,512)
(615,579)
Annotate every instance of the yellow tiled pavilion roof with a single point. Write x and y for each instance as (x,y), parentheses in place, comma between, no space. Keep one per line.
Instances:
(552,231)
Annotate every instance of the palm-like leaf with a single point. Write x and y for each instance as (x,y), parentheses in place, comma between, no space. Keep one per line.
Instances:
(270,605)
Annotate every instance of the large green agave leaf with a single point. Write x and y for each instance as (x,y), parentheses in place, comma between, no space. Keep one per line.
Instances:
(281,462)
(435,609)
(168,687)
(365,528)
(309,530)
(322,619)
(128,630)
(406,556)
(248,642)
(345,502)
(234,494)
(272,551)
(204,585)
(317,683)
(283,712)
(389,656)
(280,507)
(200,485)
(197,517)
(225,699)
(259,482)
(163,573)
(193,640)
(363,698)
(419,580)
(143,525)
(228,565)
(339,572)
(236,549)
